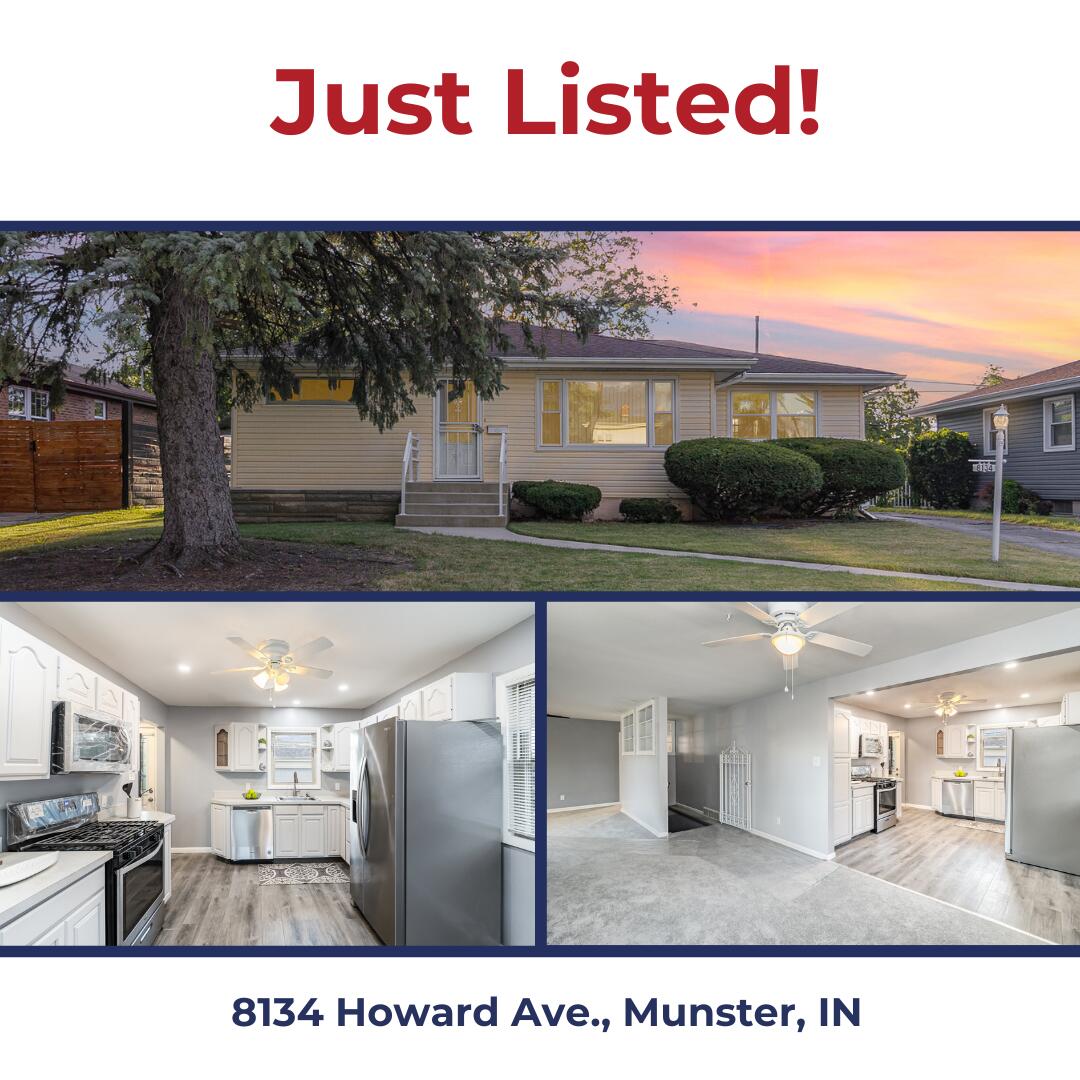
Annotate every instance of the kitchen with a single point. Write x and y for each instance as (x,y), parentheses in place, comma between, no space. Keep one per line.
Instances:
(160,764)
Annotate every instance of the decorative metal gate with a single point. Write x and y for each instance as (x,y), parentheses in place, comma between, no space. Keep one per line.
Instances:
(735,787)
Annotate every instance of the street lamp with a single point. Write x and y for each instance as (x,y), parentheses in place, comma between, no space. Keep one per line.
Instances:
(1001,426)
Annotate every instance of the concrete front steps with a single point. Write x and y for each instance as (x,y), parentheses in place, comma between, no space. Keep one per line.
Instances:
(452,503)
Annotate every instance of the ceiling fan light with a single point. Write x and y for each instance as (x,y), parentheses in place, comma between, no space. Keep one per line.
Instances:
(281,682)
(262,680)
(787,642)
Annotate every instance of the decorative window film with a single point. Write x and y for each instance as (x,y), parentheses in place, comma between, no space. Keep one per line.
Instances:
(516,696)
(1058,432)
(606,412)
(773,414)
(294,750)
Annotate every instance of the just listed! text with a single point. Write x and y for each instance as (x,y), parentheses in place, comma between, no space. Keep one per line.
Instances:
(649,1012)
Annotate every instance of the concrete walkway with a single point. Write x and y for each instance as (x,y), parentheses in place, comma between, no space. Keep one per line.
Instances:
(1054,541)
(578,545)
(28,518)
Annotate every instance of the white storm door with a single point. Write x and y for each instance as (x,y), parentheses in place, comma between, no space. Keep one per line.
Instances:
(458,436)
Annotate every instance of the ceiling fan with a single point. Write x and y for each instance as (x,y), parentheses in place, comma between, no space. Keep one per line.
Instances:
(948,703)
(277,663)
(791,628)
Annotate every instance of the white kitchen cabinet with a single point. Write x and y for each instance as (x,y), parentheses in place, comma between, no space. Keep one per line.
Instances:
(336,755)
(438,699)
(74,916)
(464,695)
(412,706)
(989,800)
(167,865)
(286,832)
(75,683)
(1070,708)
(956,742)
(343,833)
(132,713)
(841,796)
(312,832)
(335,832)
(109,699)
(841,734)
(236,747)
(862,811)
(935,793)
(28,674)
(999,803)
(220,834)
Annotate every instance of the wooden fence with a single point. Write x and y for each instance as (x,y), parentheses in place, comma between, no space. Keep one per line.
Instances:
(61,465)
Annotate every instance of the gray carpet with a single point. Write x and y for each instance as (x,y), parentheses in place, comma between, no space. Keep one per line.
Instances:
(612,883)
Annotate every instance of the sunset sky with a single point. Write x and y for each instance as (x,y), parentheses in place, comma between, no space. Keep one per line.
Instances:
(929,305)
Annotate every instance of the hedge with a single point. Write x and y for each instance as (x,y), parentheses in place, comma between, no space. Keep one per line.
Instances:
(854,472)
(1017,499)
(940,469)
(731,479)
(556,499)
(650,511)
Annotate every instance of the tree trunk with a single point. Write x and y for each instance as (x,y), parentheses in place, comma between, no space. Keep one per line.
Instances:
(199,525)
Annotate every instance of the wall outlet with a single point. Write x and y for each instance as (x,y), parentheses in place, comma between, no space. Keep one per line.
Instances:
(337,785)
(777,821)
(562,798)
(816,761)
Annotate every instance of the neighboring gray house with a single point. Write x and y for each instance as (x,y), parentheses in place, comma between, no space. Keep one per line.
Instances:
(1041,447)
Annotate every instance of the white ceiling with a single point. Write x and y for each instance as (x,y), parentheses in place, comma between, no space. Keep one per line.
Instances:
(1043,681)
(378,647)
(604,657)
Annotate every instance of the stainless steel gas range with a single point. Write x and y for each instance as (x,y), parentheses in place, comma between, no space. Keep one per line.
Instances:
(885,795)
(134,876)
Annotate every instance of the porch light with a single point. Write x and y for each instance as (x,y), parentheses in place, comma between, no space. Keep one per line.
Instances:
(1001,418)
(787,641)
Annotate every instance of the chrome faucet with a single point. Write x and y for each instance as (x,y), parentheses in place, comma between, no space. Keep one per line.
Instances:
(295,785)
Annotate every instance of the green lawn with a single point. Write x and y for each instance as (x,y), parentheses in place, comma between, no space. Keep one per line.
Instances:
(444,563)
(884,545)
(1062,524)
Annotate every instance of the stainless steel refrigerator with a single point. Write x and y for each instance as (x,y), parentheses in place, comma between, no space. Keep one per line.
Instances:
(425,832)
(1042,794)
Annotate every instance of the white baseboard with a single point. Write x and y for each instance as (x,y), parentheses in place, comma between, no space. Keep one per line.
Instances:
(191,850)
(584,806)
(795,847)
(649,828)
(916,806)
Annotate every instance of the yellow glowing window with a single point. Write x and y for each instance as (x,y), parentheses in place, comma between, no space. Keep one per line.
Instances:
(751,414)
(314,388)
(551,413)
(795,415)
(764,414)
(663,413)
(608,413)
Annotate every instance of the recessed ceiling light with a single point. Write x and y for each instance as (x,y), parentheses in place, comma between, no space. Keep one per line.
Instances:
(184,669)
(344,686)
(999,706)
(1011,664)
(870,693)
(296,701)
(1025,695)
(907,704)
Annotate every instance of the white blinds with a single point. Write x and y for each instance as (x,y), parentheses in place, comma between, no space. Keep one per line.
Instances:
(519,736)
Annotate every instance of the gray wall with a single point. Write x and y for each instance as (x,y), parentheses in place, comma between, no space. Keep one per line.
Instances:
(108,785)
(697,759)
(193,780)
(1054,475)
(582,762)
(643,780)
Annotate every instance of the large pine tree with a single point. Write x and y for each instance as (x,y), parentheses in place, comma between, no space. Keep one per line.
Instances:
(393,311)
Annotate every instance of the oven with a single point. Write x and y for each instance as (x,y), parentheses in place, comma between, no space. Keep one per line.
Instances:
(139,891)
(85,740)
(884,805)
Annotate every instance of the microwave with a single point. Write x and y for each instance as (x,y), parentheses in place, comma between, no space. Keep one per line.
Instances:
(871,746)
(85,740)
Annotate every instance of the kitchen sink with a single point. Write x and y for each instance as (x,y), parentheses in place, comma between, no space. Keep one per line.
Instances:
(294,798)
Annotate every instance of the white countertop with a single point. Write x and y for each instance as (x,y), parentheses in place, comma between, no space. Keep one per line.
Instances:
(989,778)
(272,800)
(17,899)
(146,815)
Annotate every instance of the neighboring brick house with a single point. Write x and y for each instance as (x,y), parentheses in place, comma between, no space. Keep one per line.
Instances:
(89,401)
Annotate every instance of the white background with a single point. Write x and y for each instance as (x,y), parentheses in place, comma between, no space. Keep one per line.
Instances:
(170,1019)
(927,110)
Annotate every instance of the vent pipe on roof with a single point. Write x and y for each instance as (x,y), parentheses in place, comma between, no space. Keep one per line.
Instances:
(757,332)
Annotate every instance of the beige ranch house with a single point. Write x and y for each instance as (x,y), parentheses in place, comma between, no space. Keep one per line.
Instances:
(600,411)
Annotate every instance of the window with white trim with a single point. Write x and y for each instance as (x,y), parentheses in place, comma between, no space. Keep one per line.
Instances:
(293,750)
(515,706)
(646,728)
(773,414)
(101,409)
(989,443)
(25,403)
(627,736)
(1059,432)
(606,412)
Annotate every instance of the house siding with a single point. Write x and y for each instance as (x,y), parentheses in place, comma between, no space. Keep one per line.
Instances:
(1052,475)
(840,408)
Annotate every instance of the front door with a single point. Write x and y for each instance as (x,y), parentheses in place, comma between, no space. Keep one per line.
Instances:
(458,432)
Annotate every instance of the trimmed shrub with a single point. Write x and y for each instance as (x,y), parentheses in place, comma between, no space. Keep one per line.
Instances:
(650,511)
(940,469)
(558,500)
(1017,499)
(854,472)
(732,479)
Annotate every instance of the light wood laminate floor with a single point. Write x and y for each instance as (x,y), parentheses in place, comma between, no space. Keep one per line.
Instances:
(932,855)
(215,902)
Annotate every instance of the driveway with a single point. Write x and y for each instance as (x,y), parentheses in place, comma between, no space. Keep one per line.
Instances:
(26,519)
(1055,541)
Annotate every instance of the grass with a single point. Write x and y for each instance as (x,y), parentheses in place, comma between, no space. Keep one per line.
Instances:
(1062,524)
(883,545)
(446,563)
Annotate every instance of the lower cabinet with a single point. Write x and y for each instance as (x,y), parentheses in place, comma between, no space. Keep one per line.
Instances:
(841,809)
(74,916)
(313,832)
(862,812)
(286,832)
(220,834)
(935,793)
(167,866)
(989,800)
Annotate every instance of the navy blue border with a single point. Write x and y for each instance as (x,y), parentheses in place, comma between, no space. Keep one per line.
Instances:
(540,600)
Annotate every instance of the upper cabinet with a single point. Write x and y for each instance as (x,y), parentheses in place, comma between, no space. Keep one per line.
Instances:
(412,706)
(109,699)
(239,747)
(464,695)
(957,741)
(132,713)
(76,683)
(28,674)
(336,746)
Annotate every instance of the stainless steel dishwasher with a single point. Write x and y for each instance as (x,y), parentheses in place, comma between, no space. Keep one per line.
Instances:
(252,833)
(957,798)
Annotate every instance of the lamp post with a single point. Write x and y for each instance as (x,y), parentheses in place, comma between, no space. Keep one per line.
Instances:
(1001,425)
